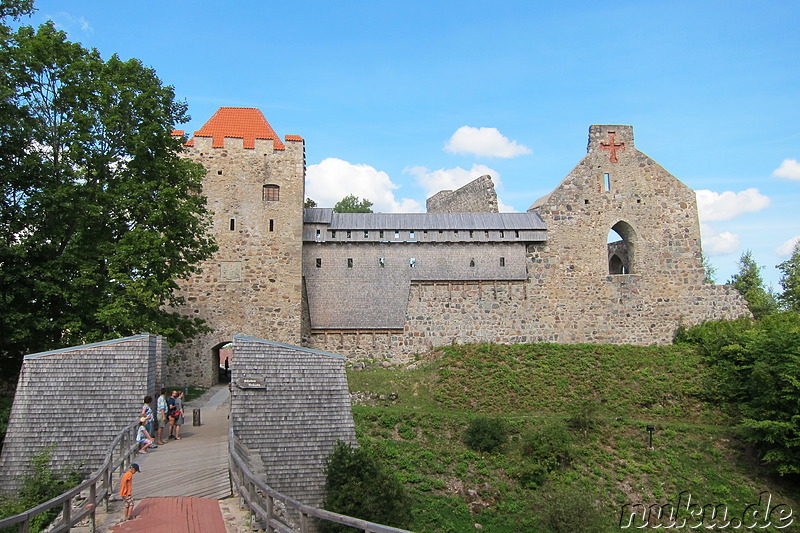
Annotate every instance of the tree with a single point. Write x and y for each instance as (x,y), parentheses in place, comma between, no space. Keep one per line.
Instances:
(710,270)
(309,203)
(358,485)
(750,284)
(353,204)
(99,213)
(790,280)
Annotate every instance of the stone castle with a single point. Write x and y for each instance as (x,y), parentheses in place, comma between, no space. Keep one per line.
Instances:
(386,286)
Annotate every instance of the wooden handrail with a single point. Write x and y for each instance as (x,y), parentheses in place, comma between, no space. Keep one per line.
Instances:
(260,500)
(126,442)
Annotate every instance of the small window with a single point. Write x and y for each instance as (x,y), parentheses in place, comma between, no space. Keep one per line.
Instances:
(516,234)
(271,193)
(319,234)
(233,224)
(219,173)
(471,234)
(425,234)
(412,262)
(586,202)
(502,261)
(412,234)
(272,224)
(606,182)
(319,262)
(349,234)
(486,234)
(441,231)
(381,262)
(396,234)
(455,233)
(380,234)
(349,262)
(333,234)
(366,235)
(502,234)
(472,262)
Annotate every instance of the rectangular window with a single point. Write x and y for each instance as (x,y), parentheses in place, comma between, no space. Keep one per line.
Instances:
(412,234)
(412,262)
(272,224)
(381,262)
(396,234)
(333,234)
(366,235)
(471,234)
(349,262)
(349,234)
(271,193)
(502,261)
(233,224)
(516,234)
(319,262)
(380,235)
(486,234)
(502,234)
(606,182)
(455,233)
(319,234)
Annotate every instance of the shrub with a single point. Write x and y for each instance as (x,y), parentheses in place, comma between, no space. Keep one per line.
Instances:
(358,485)
(549,445)
(570,509)
(486,434)
(584,416)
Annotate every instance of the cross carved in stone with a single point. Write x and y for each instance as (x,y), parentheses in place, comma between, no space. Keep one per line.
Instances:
(612,146)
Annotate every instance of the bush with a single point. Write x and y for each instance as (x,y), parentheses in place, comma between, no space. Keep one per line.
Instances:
(486,434)
(358,485)
(584,416)
(550,445)
(570,509)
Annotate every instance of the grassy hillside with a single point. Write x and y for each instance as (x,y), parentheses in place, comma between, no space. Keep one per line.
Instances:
(578,446)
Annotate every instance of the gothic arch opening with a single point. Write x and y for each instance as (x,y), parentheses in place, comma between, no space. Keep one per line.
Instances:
(621,248)
(221,355)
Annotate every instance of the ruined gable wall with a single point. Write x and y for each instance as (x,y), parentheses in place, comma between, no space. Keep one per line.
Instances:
(253,284)
(477,196)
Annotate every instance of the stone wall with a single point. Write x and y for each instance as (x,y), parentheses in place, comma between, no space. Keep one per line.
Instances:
(290,405)
(253,285)
(77,400)
(477,196)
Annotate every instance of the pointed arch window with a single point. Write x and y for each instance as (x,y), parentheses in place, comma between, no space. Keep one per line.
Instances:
(621,248)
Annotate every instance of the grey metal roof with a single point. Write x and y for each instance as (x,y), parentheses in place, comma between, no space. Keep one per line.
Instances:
(316,215)
(426,221)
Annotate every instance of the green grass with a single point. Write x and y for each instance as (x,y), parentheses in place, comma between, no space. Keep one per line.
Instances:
(603,397)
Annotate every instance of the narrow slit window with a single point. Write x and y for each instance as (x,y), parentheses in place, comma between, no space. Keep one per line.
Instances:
(502,261)
(333,234)
(349,262)
(366,235)
(471,234)
(271,193)
(349,234)
(381,262)
(412,262)
(272,224)
(606,181)
(233,224)
(319,262)
(502,234)
(486,234)
(472,262)
(380,234)
(412,234)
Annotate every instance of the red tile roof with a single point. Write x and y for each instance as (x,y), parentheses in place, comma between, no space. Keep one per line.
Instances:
(292,138)
(177,133)
(246,123)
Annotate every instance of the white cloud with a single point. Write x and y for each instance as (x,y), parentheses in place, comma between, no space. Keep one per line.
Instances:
(68,22)
(786,249)
(484,142)
(727,205)
(333,179)
(450,179)
(789,169)
(718,243)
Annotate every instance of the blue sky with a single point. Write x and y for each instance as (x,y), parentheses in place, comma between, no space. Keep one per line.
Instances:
(397,100)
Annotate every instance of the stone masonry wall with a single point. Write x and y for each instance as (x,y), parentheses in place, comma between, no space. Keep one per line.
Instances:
(477,196)
(253,285)
(570,295)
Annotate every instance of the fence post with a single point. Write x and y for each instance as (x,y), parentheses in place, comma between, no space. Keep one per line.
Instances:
(93,503)
(67,513)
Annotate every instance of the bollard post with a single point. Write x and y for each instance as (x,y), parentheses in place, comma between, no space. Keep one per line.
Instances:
(196,417)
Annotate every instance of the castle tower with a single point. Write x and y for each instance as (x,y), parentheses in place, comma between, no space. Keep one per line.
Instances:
(253,286)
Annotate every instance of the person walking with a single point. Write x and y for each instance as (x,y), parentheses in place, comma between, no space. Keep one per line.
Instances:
(126,489)
(171,413)
(162,415)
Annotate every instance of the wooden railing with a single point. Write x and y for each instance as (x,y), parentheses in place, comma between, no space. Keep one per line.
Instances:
(262,501)
(99,484)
